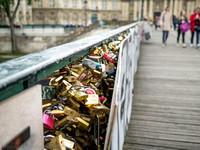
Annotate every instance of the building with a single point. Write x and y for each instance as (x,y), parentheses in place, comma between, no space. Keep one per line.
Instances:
(81,11)
(75,11)
(23,15)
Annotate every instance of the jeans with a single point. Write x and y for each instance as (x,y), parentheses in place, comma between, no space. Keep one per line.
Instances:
(183,36)
(192,36)
(174,26)
(165,36)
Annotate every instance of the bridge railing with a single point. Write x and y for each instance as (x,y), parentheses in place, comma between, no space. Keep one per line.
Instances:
(18,79)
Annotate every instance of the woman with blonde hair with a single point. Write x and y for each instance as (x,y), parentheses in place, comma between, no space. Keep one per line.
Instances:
(166,24)
(181,20)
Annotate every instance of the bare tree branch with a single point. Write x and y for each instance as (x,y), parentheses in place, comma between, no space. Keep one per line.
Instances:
(15,11)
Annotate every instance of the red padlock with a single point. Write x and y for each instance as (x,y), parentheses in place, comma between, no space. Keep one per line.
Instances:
(48,121)
(110,59)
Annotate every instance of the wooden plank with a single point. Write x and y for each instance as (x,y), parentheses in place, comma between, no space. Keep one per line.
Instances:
(165,107)
(162,143)
(166,115)
(192,129)
(158,129)
(166,120)
(175,97)
(163,136)
(148,99)
(128,146)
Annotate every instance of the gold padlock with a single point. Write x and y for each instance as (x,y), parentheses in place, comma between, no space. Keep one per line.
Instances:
(59,143)
(79,68)
(72,103)
(99,110)
(67,84)
(59,79)
(63,121)
(105,49)
(70,112)
(70,78)
(82,124)
(80,96)
(60,133)
(75,74)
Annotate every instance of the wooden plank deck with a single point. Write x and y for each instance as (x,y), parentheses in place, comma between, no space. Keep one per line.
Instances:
(166,105)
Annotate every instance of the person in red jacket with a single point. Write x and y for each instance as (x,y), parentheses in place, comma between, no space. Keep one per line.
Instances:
(195,26)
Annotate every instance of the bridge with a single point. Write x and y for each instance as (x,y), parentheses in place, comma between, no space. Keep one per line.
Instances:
(165,107)
(165,110)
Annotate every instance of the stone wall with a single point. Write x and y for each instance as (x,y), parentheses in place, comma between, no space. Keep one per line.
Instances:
(30,44)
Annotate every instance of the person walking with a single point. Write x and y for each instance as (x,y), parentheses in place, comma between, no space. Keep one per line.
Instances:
(155,22)
(195,26)
(174,22)
(165,24)
(181,20)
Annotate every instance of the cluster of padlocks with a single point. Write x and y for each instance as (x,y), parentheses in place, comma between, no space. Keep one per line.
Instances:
(77,100)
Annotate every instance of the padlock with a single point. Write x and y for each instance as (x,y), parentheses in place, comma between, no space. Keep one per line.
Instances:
(59,79)
(95,58)
(60,133)
(72,104)
(93,99)
(79,147)
(89,91)
(105,49)
(46,105)
(103,119)
(80,96)
(74,74)
(79,68)
(99,110)
(82,124)
(93,80)
(97,51)
(70,78)
(48,92)
(97,73)
(111,72)
(110,59)
(103,100)
(64,87)
(70,112)
(82,76)
(48,121)
(79,132)
(63,121)
(90,64)
(56,112)
(67,84)
(74,70)
(89,74)
(59,143)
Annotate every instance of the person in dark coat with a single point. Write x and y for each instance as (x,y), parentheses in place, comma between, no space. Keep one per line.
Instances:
(182,19)
(174,22)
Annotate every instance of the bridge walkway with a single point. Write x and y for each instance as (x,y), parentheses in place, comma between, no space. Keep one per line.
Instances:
(166,105)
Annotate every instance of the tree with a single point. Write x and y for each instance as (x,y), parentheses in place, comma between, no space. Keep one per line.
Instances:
(6,6)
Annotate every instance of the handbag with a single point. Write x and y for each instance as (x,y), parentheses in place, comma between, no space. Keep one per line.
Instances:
(147,36)
(197,28)
(185,27)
